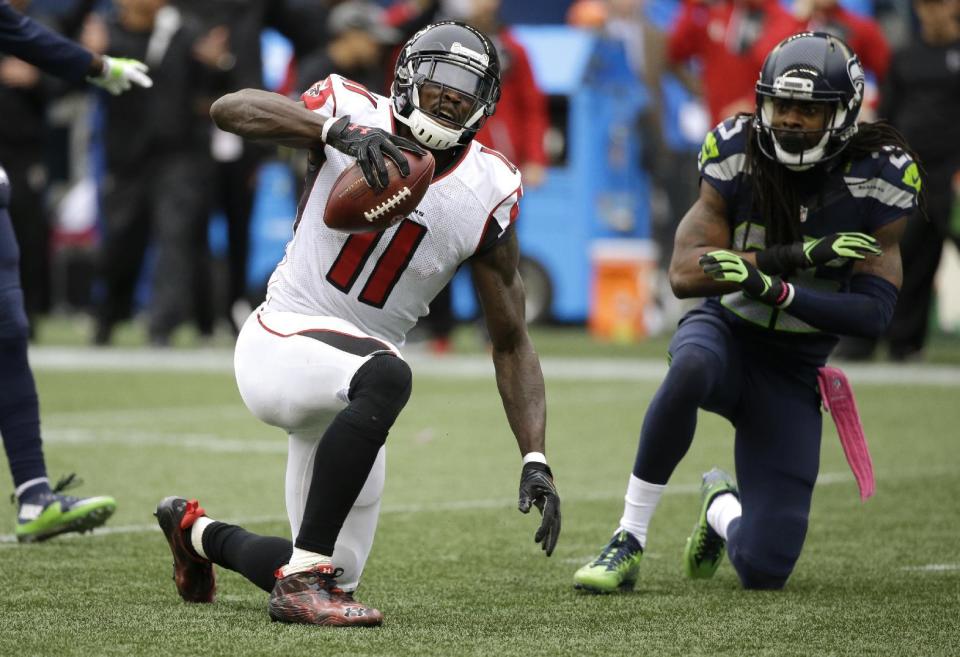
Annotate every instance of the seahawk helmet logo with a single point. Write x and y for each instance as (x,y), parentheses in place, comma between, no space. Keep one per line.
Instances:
(855,71)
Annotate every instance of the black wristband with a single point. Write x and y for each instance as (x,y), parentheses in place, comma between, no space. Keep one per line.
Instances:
(780,258)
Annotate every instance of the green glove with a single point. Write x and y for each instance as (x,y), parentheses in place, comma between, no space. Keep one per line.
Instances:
(787,258)
(119,74)
(729,267)
(856,246)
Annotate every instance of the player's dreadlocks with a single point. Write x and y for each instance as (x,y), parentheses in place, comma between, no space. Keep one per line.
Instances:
(775,194)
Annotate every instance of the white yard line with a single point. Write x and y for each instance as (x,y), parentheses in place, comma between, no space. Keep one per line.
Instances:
(136,438)
(448,367)
(137,415)
(825,479)
(934,568)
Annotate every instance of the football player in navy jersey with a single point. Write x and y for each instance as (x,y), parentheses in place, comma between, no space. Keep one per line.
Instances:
(42,511)
(792,242)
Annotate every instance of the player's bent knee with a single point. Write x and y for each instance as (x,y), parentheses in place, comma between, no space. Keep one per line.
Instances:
(693,359)
(385,374)
(692,372)
(380,389)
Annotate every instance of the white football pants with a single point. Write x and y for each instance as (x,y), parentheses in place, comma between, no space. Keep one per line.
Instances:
(299,383)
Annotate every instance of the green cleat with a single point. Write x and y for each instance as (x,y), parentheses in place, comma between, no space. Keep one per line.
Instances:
(615,568)
(705,547)
(48,514)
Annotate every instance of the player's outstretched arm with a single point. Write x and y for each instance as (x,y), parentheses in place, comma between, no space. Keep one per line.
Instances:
(53,53)
(703,229)
(519,380)
(263,115)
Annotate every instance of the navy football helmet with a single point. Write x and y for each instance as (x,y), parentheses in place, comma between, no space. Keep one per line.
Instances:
(454,56)
(811,67)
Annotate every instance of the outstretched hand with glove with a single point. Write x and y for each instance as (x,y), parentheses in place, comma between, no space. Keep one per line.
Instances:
(117,74)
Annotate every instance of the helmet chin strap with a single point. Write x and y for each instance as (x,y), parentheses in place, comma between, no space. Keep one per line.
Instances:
(428,132)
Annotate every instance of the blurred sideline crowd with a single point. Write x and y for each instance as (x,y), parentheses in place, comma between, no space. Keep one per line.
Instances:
(106,188)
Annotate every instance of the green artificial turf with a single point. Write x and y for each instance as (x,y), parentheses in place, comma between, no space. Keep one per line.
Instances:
(454,568)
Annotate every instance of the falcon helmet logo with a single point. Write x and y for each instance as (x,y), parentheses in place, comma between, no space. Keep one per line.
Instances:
(459,49)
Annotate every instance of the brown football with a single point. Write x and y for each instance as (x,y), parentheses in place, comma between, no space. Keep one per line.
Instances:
(354,207)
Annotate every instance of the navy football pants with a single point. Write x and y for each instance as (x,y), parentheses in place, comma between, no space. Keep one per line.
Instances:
(774,406)
(19,411)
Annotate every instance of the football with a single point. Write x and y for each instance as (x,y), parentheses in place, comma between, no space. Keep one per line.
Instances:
(355,207)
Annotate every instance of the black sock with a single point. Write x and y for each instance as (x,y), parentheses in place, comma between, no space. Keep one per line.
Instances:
(253,556)
(345,455)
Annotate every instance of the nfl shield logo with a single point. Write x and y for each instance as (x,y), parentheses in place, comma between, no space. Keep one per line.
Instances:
(803,214)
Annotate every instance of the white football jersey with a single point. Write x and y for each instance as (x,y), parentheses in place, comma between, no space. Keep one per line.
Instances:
(383,282)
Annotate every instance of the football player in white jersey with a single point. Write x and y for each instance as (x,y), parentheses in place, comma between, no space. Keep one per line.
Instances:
(321,357)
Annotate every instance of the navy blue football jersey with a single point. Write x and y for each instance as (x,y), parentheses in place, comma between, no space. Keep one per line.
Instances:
(861,195)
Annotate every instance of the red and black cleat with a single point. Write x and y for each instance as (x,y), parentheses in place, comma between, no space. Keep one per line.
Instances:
(192,573)
(312,598)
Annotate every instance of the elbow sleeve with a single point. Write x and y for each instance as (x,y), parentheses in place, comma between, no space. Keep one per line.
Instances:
(882,301)
(864,311)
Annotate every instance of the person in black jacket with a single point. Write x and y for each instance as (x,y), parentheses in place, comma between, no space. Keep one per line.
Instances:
(156,172)
(235,163)
(922,99)
(43,511)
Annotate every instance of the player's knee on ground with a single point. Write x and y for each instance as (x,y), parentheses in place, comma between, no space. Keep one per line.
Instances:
(378,392)
(765,549)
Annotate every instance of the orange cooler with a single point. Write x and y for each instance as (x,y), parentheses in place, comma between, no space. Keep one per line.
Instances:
(624,272)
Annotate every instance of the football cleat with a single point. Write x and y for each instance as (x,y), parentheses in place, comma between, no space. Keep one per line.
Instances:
(193,575)
(705,547)
(312,597)
(50,513)
(615,568)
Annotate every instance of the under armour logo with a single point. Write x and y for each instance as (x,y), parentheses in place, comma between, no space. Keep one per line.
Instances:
(359,128)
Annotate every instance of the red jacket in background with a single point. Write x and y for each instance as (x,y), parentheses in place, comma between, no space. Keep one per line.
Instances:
(518,126)
(726,38)
(862,34)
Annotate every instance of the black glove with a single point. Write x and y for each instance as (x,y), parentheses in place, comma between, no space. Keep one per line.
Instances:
(727,266)
(537,489)
(787,258)
(369,145)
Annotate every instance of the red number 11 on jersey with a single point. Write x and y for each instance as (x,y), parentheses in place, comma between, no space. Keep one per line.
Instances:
(386,273)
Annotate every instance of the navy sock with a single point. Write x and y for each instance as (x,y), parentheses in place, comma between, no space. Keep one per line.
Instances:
(20,414)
